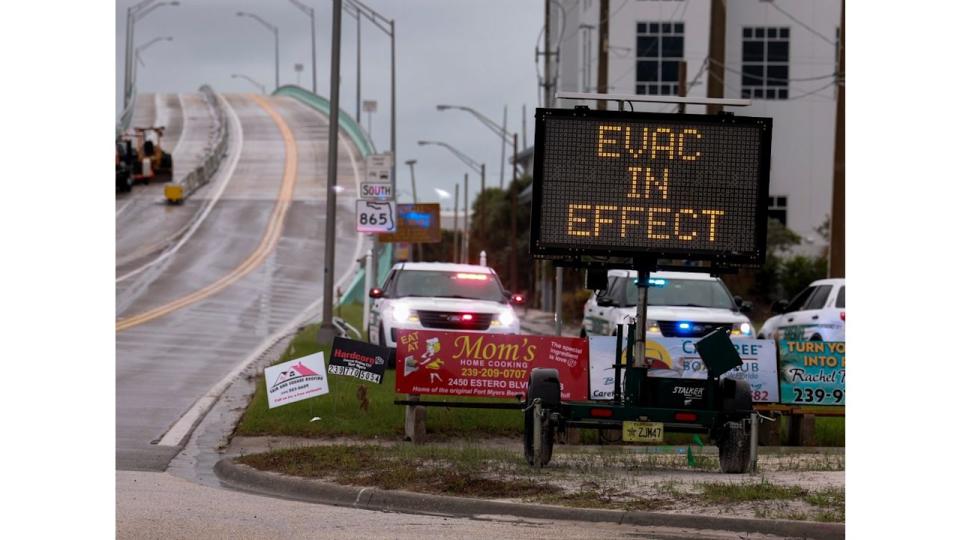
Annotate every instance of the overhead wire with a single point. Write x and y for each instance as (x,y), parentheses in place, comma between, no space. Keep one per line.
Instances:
(801,23)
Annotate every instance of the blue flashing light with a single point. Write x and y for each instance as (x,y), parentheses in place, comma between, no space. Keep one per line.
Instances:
(684,326)
(657,282)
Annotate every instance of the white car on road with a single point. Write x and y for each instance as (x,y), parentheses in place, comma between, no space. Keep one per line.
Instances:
(818,313)
(440,296)
(679,304)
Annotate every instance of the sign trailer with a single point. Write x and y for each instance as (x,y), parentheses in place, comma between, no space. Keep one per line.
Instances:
(616,189)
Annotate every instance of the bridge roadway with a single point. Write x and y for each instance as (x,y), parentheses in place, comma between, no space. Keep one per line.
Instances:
(189,315)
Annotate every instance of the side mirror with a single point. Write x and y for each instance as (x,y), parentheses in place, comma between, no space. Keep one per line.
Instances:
(780,306)
(738,301)
(746,307)
(376,293)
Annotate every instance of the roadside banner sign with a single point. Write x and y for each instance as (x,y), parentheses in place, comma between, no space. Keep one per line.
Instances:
(416,224)
(376,216)
(376,191)
(677,358)
(296,380)
(486,365)
(813,372)
(358,359)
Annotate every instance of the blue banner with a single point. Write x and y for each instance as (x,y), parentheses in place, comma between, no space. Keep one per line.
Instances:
(812,372)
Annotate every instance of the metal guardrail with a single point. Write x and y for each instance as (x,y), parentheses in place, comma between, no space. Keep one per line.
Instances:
(180,189)
(355,291)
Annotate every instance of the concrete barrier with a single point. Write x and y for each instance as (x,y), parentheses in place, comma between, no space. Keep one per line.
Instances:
(181,188)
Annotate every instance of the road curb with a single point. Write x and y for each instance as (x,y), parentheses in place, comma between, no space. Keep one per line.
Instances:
(246,478)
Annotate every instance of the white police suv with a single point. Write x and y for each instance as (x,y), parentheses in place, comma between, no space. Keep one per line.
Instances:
(818,313)
(679,304)
(440,296)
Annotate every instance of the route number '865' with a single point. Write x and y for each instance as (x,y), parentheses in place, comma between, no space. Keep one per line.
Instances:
(374,219)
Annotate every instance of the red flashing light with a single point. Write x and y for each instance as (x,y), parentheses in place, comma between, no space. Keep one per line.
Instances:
(843,316)
(605,413)
(685,417)
(466,317)
(477,277)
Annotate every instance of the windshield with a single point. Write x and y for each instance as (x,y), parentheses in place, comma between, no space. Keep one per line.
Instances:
(433,283)
(683,292)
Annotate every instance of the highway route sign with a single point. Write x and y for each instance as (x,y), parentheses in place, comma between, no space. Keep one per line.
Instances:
(376,216)
(376,191)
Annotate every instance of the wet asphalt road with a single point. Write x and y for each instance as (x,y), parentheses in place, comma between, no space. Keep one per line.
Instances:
(166,364)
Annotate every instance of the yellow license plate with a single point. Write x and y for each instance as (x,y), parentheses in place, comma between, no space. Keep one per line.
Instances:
(643,431)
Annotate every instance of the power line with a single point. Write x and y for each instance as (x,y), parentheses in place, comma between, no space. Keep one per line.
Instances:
(833,75)
(801,23)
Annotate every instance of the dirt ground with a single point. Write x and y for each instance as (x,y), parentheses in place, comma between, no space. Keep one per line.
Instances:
(790,483)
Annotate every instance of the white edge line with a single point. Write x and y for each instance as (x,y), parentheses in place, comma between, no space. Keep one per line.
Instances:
(184,426)
(183,129)
(124,207)
(234,158)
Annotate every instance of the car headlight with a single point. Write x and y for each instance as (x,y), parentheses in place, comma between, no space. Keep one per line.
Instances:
(742,329)
(507,317)
(402,313)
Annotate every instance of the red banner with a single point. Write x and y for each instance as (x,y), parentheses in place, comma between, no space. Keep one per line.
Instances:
(487,365)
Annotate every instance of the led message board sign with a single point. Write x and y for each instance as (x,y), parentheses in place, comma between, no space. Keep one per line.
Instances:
(645,185)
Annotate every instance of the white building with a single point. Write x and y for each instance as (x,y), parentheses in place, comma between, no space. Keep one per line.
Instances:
(783,55)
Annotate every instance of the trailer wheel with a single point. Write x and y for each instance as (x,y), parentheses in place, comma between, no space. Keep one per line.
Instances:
(734,446)
(544,384)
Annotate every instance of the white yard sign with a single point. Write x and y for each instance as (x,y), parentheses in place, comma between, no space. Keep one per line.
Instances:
(376,216)
(296,380)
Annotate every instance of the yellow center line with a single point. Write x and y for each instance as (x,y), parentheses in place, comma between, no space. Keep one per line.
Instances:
(267,244)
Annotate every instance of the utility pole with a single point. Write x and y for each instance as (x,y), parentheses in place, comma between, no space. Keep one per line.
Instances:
(503,146)
(836,266)
(604,38)
(547,98)
(456,223)
(717,52)
(513,221)
(482,207)
(682,85)
(465,252)
(331,215)
(413,184)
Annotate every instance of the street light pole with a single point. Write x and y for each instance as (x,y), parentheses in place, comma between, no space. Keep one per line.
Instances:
(480,168)
(331,216)
(276,44)
(134,14)
(313,38)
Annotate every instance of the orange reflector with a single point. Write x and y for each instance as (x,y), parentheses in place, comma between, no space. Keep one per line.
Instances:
(606,413)
(479,277)
(685,417)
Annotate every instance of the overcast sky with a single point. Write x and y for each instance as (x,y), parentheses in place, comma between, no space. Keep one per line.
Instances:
(474,53)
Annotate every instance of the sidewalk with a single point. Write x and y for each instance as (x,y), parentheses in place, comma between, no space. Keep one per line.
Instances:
(535,321)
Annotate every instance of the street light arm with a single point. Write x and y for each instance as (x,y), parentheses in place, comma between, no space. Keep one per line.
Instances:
(269,26)
(147,45)
(138,6)
(378,20)
(493,126)
(303,7)
(472,163)
(140,15)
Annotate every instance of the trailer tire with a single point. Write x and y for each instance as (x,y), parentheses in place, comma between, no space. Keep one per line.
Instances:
(734,446)
(543,383)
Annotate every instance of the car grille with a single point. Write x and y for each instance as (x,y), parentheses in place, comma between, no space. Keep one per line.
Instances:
(453,320)
(697,329)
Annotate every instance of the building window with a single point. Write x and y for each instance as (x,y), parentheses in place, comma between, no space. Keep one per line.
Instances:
(777,209)
(766,69)
(659,53)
